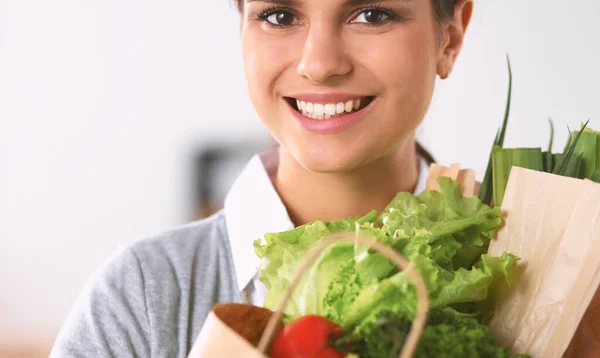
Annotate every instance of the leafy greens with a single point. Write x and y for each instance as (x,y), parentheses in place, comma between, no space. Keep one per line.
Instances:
(443,235)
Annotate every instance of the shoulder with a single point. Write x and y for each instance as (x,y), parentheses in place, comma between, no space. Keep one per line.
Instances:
(187,261)
(206,236)
(166,255)
(195,254)
(154,294)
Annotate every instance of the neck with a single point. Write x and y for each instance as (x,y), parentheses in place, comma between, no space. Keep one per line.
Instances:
(310,196)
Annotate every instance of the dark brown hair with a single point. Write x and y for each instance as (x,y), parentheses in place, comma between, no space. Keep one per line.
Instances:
(443,10)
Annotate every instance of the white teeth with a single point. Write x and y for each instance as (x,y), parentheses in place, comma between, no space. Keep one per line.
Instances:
(349,106)
(309,107)
(327,110)
(330,109)
(319,109)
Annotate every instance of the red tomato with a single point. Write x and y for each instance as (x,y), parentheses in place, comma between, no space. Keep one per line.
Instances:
(307,337)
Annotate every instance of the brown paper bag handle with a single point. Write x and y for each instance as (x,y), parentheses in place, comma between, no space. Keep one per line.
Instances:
(412,339)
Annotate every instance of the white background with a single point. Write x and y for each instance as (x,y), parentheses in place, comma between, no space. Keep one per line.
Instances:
(104,103)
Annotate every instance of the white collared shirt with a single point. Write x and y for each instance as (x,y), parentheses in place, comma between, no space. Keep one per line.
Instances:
(252,208)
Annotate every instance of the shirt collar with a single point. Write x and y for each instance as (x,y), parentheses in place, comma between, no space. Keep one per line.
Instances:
(253,208)
(422,180)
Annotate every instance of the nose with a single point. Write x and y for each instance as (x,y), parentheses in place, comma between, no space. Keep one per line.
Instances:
(323,55)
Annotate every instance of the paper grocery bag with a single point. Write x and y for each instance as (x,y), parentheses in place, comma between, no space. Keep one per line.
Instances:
(232,330)
(553,224)
(465,177)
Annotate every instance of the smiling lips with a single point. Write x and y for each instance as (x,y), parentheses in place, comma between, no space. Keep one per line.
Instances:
(323,110)
(329,113)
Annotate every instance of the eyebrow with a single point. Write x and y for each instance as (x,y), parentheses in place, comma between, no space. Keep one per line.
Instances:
(366,2)
(346,2)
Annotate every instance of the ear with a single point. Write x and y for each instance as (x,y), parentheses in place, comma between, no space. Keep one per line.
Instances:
(453,34)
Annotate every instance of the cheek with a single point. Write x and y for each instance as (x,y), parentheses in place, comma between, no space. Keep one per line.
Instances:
(405,65)
(255,68)
(419,67)
(263,64)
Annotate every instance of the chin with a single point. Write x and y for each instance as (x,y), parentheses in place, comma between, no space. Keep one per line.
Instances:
(320,160)
(326,166)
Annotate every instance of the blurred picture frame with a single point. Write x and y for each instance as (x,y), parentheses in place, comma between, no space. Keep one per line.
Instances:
(216,167)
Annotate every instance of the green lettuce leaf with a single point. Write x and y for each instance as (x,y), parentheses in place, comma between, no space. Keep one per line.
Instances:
(281,256)
(473,285)
(282,253)
(442,234)
(458,228)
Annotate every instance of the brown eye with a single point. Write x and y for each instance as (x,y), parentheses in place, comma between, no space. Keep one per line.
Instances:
(281,18)
(372,17)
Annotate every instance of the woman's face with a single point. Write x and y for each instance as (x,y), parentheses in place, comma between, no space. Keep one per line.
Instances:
(340,83)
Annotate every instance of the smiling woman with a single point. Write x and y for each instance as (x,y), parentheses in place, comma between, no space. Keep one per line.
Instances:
(342,85)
